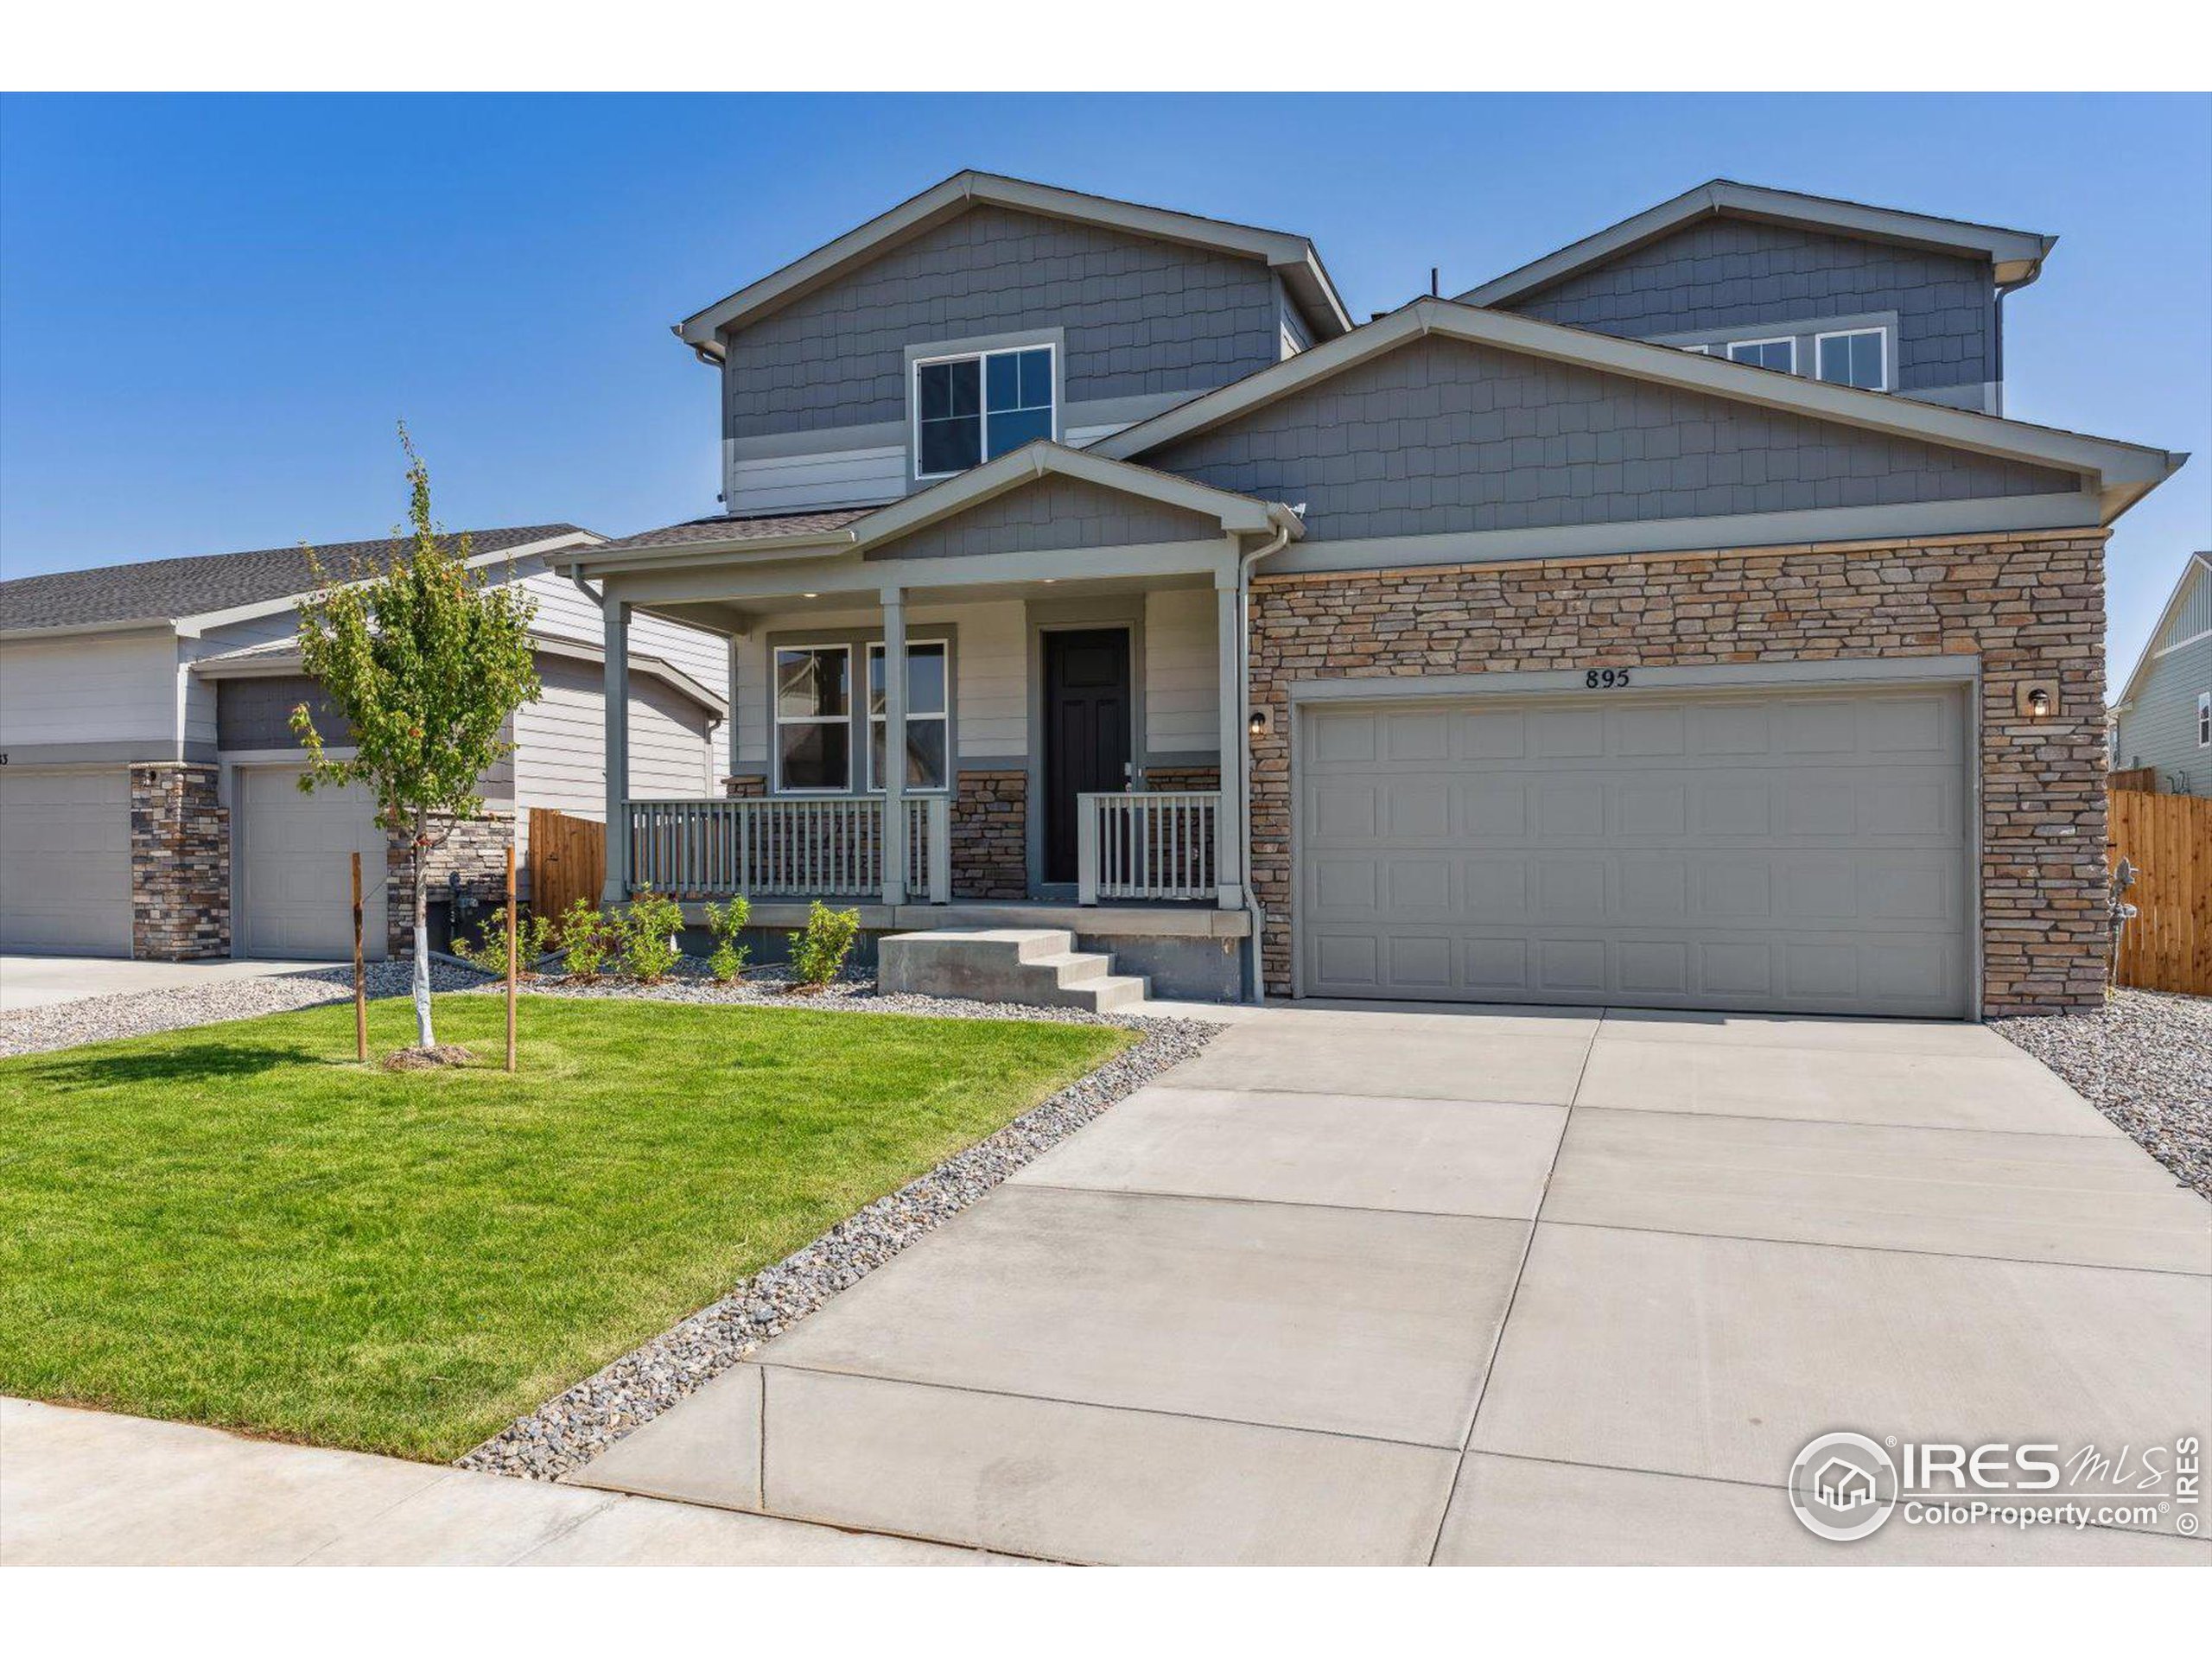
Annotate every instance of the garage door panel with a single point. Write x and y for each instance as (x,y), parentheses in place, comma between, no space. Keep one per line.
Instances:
(1805,852)
(65,862)
(293,855)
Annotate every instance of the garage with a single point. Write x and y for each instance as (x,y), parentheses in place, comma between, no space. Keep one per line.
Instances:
(1801,851)
(65,862)
(293,881)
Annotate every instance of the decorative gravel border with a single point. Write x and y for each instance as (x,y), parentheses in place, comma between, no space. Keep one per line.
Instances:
(576,1426)
(2145,1060)
(177,1007)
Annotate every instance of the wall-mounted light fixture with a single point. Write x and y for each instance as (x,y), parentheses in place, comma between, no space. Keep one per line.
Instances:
(2036,699)
(1256,722)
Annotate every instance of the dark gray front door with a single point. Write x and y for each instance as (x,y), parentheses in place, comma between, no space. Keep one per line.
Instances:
(1086,731)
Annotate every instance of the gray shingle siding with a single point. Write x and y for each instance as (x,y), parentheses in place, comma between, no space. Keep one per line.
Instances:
(1054,512)
(1443,435)
(1723,272)
(257,712)
(1141,317)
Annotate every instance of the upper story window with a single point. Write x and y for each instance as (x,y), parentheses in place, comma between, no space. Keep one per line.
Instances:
(1854,358)
(2204,720)
(977,406)
(1780,354)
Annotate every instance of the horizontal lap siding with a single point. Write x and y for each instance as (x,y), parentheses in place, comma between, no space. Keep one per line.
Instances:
(1182,673)
(94,691)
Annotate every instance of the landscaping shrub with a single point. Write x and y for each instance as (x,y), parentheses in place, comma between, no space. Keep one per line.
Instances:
(487,953)
(819,950)
(650,952)
(585,941)
(725,922)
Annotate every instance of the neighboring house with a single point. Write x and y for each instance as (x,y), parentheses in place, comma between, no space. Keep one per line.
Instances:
(2162,716)
(149,799)
(1550,645)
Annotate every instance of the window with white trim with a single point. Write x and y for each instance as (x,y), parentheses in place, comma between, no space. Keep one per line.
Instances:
(2204,720)
(814,718)
(978,406)
(1766,353)
(928,715)
(1854,357)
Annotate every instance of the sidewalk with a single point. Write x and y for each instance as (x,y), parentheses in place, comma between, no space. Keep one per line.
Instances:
(90,1487)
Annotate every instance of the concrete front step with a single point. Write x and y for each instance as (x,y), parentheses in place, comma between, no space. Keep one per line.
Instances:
(1036,967)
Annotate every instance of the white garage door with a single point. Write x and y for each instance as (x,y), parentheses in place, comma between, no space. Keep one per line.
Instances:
(1803,852)
(65,862)
(294,874)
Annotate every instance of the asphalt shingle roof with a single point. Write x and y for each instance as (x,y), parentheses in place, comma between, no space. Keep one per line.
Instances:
(726,528)
(161,589)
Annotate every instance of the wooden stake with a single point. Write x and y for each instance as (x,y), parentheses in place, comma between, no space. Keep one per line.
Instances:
(510,956)
(361,975)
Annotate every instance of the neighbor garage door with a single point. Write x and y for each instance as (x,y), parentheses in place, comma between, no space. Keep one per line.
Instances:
(65,862)
(294,872)
(1801,851)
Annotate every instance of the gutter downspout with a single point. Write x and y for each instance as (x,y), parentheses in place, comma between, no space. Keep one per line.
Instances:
(1286,522)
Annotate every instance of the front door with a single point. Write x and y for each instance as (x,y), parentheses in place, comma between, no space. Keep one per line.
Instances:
(1086,731)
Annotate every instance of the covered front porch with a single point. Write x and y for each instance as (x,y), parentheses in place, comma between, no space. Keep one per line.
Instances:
(1053,644)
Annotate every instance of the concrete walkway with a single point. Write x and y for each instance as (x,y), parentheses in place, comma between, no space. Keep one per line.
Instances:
(45,981)
(1380,1285)
(85,1488)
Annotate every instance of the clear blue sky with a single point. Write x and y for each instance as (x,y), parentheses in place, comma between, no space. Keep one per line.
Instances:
(213,310)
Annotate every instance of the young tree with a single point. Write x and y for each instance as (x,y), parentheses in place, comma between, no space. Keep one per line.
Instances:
(426,662)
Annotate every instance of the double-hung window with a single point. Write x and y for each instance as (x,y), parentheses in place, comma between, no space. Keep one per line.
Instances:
(1766,354)
(814,718)
(927,712)
(1852,358)
(2204,720)
(972,408)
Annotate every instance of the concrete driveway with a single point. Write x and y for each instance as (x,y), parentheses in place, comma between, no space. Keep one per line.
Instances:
(1374,1285)
(46,982)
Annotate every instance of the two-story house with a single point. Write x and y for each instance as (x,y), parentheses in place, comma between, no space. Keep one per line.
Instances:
(2161,719)
(1675,620)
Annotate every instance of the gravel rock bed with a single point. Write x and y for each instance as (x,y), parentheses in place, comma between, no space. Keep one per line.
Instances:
(95,1019)
(2145,1062)
(572,1427)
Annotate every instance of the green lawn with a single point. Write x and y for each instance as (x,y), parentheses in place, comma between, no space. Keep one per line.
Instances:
(240,1225)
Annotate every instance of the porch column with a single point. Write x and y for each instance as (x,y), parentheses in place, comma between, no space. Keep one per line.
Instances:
(615,614)
(894,745)
(1228,819)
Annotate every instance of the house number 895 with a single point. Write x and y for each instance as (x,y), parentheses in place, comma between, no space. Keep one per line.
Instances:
(1605,679)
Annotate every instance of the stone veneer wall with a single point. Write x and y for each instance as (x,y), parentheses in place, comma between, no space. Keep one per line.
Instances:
(180,864)
(990,834)
(477,848)
(1171,778)
(2032,605)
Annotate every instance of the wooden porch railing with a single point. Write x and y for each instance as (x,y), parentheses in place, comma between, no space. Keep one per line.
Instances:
(2168,947)
(825,845)
(1155,844)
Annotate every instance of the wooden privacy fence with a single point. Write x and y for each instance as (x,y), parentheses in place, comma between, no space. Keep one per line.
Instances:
(2168,947)
(568,860)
